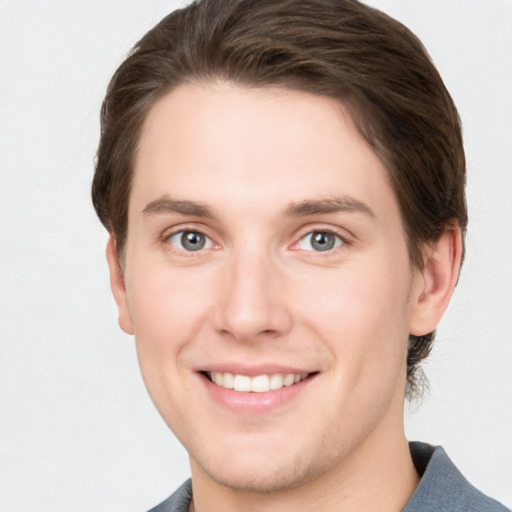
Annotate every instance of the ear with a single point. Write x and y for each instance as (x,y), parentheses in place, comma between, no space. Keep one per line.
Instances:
(435,282)
(118,287)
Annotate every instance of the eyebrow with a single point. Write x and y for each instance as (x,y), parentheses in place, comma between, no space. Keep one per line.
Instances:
(303,208)
(332,205)
(183,207)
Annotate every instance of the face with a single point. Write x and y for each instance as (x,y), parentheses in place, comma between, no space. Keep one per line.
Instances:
(268,284)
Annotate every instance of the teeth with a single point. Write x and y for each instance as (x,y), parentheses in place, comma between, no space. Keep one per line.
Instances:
(276,381)
(289,379)
(228,381)
(258,384)
(242,383)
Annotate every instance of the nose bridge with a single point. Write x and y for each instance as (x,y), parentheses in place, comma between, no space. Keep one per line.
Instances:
(253,301)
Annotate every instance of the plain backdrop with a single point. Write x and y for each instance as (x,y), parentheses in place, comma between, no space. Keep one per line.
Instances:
(78,432)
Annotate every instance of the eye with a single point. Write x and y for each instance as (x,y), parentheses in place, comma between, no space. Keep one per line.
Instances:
(320,241)
(190,241)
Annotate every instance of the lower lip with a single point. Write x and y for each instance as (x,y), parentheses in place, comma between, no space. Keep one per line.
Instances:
(251,402)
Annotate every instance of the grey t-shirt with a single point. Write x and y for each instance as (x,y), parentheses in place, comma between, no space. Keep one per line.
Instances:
(442,488)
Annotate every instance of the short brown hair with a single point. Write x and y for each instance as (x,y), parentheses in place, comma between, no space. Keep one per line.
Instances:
(342,49)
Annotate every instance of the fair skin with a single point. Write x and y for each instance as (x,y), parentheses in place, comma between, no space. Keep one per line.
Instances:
(264,240)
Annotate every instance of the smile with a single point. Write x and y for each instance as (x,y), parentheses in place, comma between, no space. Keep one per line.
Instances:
(257,384)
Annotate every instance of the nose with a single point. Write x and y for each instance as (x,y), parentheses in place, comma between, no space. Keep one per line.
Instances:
(252,303)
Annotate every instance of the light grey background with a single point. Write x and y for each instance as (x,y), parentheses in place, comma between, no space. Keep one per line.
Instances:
(78,432)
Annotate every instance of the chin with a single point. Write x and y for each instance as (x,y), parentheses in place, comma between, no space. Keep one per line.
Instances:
(269,475)
(255,482)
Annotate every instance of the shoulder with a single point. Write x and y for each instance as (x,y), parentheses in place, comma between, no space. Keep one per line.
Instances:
(179,501)
(443,487)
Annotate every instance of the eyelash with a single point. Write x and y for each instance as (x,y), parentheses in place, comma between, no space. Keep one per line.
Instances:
(295,246)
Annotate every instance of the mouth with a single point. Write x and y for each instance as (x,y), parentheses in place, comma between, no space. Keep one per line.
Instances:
(257,384)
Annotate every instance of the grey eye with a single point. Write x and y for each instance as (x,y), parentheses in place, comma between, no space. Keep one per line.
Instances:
(320,241)
(190,241)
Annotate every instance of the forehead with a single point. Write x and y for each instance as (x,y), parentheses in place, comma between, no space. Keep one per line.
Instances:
(261,146)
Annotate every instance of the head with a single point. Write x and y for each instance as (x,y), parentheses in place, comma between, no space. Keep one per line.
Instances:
(341,52)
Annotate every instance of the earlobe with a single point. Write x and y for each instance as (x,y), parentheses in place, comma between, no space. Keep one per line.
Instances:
(118,287)
(436,282)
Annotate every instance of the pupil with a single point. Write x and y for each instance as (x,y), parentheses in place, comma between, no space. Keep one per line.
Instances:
(192,241)
(322,241)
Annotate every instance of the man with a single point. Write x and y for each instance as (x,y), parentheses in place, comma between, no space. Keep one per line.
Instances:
(283,183)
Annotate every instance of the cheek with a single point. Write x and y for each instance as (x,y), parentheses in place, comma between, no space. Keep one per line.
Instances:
(361,313)
(168,311)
